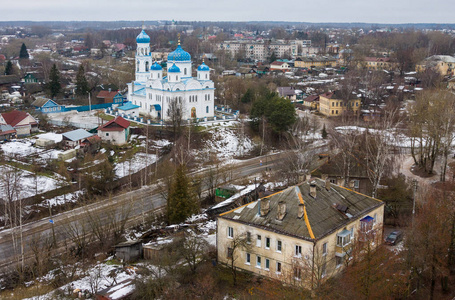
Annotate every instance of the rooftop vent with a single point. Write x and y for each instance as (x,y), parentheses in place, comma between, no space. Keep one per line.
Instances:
(265,207)
(313,189)
(301,210)
(281,210)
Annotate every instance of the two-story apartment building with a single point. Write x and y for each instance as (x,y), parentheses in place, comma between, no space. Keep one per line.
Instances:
(443,64)
(378,63)
(302,235)
(332,104)
(315,62)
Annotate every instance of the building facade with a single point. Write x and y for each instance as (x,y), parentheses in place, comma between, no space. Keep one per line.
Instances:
(158,92)
(302,235)
(331,104)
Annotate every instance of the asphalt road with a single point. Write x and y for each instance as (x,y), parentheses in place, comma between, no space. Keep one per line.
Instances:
(72,225)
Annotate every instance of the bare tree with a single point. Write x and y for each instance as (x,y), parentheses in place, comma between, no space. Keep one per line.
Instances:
(237,244)
(193,249)
(175,114)
(380,145)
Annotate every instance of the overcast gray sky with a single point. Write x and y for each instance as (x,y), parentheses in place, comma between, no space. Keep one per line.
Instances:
(380,11)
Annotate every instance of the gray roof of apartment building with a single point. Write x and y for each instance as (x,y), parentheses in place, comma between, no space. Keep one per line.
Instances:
(331,209)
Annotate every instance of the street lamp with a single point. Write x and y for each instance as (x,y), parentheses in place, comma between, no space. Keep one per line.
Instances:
(89,102)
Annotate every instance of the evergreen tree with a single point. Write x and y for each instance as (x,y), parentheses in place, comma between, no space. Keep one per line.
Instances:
(181,201)
(81,82)
(54,82)
(248,96)
(9,68)
(24,52)
(272,57)
(324,132)
(279,112)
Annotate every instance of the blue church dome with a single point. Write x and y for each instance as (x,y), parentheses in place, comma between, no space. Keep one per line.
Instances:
(156,67)
(143,37)
(179,55)
(174,69)
(203,67)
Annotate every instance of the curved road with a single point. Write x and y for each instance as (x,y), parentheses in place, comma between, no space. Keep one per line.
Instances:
(74,224)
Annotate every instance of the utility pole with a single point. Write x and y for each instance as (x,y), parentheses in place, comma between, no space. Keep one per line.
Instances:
(414,182)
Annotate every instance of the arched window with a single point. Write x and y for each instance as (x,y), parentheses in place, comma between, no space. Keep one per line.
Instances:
(146,66)
(207,109)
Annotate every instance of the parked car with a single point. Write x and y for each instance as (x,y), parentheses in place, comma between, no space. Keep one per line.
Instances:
(394,237)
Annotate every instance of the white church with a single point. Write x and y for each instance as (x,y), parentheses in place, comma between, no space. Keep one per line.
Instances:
(152,92)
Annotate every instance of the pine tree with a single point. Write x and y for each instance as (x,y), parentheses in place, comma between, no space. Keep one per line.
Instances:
(272,57)
(23,53)
(324,132)
(248,96)
(54,82)
(81,82)
(181,201)
(9,68)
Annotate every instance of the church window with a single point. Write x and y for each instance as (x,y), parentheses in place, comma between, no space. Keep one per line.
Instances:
(184,71)
(146,66)
(177,89)
(206,76)
(207,109)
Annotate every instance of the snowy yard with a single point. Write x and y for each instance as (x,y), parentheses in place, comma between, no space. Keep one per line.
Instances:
(227,141)
(27,184)
(138,162)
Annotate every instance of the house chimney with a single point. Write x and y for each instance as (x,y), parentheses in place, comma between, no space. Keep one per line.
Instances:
(313,189)
(301,211)
(265,207)
(281,210)
(327,184)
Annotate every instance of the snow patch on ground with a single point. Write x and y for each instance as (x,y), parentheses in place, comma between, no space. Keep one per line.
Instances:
(138,162)
(226,142)
(27,185)
(101,275)
(62,199)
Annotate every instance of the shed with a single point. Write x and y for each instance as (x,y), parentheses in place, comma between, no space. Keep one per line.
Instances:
(67,154)
(128,251)
(42,142)
(74,138)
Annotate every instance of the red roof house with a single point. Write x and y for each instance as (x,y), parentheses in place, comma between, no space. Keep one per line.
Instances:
(115,131)
(21,121)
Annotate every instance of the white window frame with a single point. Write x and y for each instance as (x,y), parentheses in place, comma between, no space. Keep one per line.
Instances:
(258,241)
(268,241)
(324,249)
(298,251)
(279,246)
(248,259)
(258,262)
(267,264)
(230,232)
